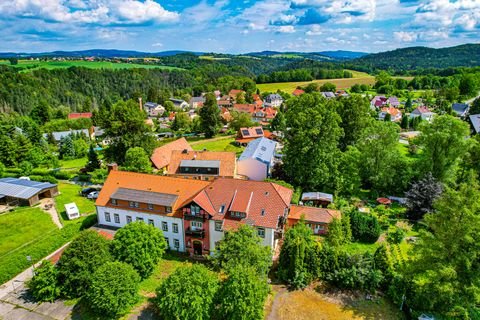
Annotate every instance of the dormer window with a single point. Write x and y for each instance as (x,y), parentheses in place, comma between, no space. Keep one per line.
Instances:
(221,209)
(150,206)
(133,204)
(114,202)
(262,212)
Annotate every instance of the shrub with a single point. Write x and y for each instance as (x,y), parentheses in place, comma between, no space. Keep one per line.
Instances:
(82,257)
(44,285)
(113,289)
(62,175)
(365,228)
(395,235)
(188,294)
(140,245)
(41,172)
(43,179)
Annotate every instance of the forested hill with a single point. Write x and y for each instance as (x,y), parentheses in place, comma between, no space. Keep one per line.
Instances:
(416,58)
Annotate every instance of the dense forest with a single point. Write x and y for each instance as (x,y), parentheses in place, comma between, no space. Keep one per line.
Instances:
(418,58)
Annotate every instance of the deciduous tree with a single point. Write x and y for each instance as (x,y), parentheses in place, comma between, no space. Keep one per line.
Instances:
(421,196)
(44,285)
(136,159)
(210,116)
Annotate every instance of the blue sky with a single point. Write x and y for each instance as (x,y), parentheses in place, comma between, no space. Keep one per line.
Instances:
(236,26)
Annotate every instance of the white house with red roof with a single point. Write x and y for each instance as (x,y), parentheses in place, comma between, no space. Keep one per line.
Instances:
(422,112)
(382,101)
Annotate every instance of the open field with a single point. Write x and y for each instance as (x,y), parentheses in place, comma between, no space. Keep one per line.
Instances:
(217,144)
(70,193)
(30,232)
(29,65)
(343,83)
(73,164)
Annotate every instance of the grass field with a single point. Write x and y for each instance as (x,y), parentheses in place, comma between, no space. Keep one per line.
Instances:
(344,83)
(70,193)
(217,144)
(30,232)
(73,164)
(29,65)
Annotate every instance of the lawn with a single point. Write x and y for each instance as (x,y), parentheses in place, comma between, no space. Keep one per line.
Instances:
(73,164)
(361,248)
(23,226)
(217,144)
(29,65)
(30,232)
(70,193)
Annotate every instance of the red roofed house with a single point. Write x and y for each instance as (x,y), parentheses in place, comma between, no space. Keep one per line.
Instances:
(234,93)
(422,112)
(244,107)
(161,156)
(316,218)
(228,203)
(78,115)
(202,165)
(395,114)
(297,92)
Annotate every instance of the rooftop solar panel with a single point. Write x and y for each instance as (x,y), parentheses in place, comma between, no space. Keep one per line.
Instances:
(259,131)
(245,133)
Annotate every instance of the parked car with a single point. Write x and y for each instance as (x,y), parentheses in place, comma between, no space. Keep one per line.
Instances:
(93,195)
(85,192)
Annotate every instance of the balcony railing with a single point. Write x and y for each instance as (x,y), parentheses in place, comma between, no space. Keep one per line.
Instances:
(189,215)
(195,233)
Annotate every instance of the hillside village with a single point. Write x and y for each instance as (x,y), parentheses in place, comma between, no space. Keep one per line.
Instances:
(214,199)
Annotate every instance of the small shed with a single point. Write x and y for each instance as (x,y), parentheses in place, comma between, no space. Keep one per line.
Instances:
(317,199)
(72,211)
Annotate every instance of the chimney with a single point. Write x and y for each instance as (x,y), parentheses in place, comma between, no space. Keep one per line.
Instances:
(140,103)
(112,167)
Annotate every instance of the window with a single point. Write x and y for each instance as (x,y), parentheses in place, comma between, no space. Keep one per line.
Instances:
(222,209)
(139,219)
(218,225)
(176,243)
(261,232)
(114,202)
(150,206)
(263,212)
(164,226)
(168,243)
(175,227)
(150,222)
(107,216)
(129,219)
(168,209)
(196,225)
(195,209)
(116,217)
(133,204)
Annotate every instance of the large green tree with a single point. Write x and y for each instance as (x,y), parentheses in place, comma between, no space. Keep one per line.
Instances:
(93,161)
(443,142)
(241,120)
(210,116)
(44,285)
(79,261)
(125,126)
(445,270)
(242,295)
(141,245)
(355,114)
(243,247)
(188,294)
(114,289)
(311,153)
(137,160)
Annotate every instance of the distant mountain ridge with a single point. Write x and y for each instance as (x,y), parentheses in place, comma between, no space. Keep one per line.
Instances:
(101,53)
(413,58)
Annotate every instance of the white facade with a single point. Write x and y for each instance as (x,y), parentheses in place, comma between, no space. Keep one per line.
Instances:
(253,169)
(215,236)
(118,218)
(428,116)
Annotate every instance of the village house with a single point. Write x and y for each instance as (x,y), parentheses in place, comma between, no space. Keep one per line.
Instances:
(422,112)
(395,114)
(154,109)
(264,115)
(273,100)
(316,199)
(196,102)
(202,165)
(156,200)
(233,94)
(180,104)
(298,92)
(328,94)
(161,156)
(78,115)
(475,121)
(317,219)
(228,203)
(256,161)
(461,109)
(382,101)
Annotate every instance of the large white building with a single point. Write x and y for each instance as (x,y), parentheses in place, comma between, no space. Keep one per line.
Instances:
(256,161)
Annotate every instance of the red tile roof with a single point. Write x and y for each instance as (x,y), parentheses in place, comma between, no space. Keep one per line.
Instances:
(252,132)
(298,92)
(234,92)
(312,214)
(79,115)
(244,195)
(248,108)
(161,155)
(227,160)
(184,189)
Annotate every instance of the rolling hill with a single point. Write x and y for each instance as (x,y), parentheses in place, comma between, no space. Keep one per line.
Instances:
(414,58)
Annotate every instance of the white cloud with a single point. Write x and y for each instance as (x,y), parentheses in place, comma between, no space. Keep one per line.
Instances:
(286,29)
(157,44)
(315,30)
(404,36)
